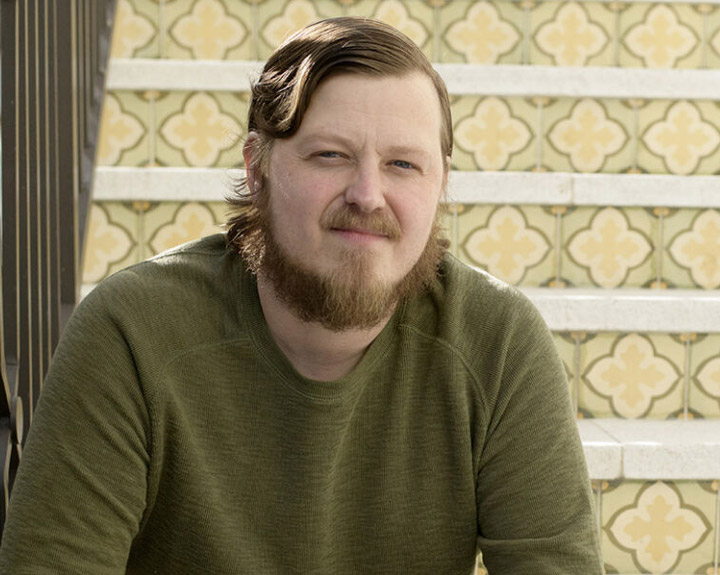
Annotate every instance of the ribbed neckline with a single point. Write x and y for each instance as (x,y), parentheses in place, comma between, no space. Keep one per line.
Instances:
(320,391)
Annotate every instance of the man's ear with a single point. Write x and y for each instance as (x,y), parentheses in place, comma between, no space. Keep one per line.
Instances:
(252,169)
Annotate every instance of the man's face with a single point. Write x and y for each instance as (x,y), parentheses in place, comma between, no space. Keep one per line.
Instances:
(353,194)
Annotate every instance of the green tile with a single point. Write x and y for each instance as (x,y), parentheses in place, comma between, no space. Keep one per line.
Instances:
(494,133)
(658,527)
(482,32)
(513,243)
(111,240)
(631,376)
(705,369)
(609,247)
(572,34)
(125,132)
(413,18)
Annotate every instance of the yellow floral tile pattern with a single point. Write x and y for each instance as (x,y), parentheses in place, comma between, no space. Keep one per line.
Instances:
(507,246)
(704,396)
(132,31)
(658,527)
(124,233)
(110,242)
(208,30)
(661,39)
(549,32)
(609,249)
(482,36)
(120,131)
(684,137)
(698,249)
(201,130)
(588,136)
(492,134)
(190,222)
(632,376)
(571,38)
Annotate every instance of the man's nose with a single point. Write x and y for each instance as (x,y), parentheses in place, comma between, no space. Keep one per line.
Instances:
(367,189)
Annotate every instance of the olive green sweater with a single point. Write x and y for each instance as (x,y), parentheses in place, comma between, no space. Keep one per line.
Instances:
(173,437)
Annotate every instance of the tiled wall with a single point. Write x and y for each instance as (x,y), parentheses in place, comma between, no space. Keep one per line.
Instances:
(503,32)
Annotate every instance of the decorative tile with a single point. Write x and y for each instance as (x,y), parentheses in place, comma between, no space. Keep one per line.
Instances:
(658,527)
(278,19)
(412,18)
(482,32)
(171,224)
(571,34)
(510,242)
(135,32)
(676,222)
(200,129)
(631,376)
(587,136)
(697,249)
(124,134)
(705,368)
(208,30)
(684,136)
(665,36)
(712,50)
(111,240)
(608,247)
(494,134)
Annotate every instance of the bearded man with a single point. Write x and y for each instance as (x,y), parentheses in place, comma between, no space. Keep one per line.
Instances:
(323,389)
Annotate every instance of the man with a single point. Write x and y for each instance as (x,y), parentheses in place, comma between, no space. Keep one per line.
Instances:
(323,391)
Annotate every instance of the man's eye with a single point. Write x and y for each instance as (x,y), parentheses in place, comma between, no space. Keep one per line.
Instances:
(329,154)
(403,164)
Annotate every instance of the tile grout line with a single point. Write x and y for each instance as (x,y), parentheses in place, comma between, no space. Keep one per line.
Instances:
(717,528)
(686,395)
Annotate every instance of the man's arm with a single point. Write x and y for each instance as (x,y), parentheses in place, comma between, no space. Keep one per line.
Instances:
(535,507)
(80,492)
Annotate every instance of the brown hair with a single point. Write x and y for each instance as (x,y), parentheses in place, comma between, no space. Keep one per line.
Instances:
(280,97)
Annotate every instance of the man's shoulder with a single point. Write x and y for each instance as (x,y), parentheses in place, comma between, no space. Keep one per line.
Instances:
(474,293)
(172,268)
(471,311)
(196,276)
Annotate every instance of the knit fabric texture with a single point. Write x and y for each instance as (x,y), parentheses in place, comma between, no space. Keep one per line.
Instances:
(173,437)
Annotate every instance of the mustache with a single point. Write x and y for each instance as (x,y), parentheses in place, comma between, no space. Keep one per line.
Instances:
(351,218)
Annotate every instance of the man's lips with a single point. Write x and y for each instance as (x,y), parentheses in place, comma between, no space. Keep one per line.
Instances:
(360,234)
(361,231)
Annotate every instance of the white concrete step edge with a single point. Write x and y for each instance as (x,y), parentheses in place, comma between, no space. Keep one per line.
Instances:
(529,188)
(468,79)
(651,450)
(628,310)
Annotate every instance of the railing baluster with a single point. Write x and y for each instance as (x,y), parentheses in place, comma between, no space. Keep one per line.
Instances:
(53,63)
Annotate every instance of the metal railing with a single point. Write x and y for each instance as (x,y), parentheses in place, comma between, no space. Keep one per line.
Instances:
(54,56)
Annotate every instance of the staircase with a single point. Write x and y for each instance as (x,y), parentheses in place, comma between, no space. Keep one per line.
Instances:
(586,172)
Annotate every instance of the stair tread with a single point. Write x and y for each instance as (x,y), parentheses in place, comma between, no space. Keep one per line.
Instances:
(652,449)
(469,79)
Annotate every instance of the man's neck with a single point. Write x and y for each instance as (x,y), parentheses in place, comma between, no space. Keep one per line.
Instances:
(315,351)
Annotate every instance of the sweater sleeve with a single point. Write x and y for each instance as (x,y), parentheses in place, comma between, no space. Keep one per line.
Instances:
(535,512)
(80,492)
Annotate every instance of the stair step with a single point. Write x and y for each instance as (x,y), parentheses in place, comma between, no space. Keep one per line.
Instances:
(651,450)
(628,310)
(530,188)
(468,79)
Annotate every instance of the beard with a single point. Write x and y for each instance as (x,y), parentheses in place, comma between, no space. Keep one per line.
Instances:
(350,296)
